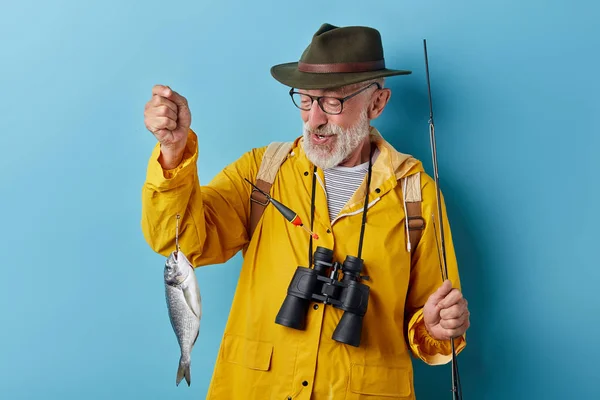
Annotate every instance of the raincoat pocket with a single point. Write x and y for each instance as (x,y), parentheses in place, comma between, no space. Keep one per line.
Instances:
(248,353)
(380,381)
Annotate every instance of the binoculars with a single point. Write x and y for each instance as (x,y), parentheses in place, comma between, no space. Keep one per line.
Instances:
(322,284)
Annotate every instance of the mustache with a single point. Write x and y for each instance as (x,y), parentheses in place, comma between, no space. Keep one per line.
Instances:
(327,130)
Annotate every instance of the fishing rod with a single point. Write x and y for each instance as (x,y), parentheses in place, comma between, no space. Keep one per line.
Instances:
(456,386)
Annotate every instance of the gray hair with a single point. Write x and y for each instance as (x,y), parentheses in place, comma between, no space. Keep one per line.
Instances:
(355,86)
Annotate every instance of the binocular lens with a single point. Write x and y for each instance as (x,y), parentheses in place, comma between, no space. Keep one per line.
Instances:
(323,254)
(352,265)
(349,329)
(292,312)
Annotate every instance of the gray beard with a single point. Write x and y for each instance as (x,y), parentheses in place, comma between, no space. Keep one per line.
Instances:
(342,145)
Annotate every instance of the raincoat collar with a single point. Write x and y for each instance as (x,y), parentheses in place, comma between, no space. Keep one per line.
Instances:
(389,167)
(390,164)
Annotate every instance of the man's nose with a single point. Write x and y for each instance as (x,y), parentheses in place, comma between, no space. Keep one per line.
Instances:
(316,117)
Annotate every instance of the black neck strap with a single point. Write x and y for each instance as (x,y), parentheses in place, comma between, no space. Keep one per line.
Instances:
(312,216)
(364,217)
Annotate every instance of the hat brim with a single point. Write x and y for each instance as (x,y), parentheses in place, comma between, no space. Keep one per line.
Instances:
(289,75)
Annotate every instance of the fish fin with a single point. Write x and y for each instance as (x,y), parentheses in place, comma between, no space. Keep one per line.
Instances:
(193,298)
(179,375)
(183,372)
(187,375)
(196,338)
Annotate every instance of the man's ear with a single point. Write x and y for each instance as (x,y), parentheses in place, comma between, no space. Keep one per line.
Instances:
(378,102)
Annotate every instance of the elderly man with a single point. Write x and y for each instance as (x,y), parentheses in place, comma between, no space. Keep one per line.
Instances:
(350,186)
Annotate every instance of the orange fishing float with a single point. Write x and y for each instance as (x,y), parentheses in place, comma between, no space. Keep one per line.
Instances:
(286,212)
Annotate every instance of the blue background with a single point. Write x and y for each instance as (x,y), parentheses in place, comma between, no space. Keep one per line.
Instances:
(515,88)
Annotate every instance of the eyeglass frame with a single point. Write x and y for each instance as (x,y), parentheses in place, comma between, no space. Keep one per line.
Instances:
(342,100)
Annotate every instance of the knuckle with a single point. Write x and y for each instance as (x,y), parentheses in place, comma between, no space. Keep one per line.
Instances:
(167,103)
(163,122)
(163,110)
(153,114)
(168,123)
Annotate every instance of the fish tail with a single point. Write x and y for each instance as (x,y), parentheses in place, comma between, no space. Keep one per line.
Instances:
(184,370)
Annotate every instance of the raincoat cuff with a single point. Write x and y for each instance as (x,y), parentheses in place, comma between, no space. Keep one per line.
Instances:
(432,351)
(162,178)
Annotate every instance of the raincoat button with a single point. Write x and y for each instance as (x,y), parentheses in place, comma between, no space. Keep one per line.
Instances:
(289,398)
(316,306)
(304,383)
(305,173)
(377,190)
(328,230)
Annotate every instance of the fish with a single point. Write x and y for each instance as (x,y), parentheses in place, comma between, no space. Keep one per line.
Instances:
(184,305)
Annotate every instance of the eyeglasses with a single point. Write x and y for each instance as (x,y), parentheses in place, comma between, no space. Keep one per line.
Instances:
(329,104)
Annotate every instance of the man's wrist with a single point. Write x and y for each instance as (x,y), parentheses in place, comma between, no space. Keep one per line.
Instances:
(170,159)
(427,327)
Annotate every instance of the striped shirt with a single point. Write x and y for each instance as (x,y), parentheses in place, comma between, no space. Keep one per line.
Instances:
(341,183)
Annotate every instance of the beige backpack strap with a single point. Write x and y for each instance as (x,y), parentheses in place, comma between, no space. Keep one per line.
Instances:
(275,154)
(415,224)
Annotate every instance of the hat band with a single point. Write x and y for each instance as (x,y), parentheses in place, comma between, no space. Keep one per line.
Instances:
(365,66)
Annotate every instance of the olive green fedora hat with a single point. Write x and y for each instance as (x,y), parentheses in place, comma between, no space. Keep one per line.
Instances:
(337,56)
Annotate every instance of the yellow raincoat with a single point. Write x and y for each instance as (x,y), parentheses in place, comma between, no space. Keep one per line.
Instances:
(261,360)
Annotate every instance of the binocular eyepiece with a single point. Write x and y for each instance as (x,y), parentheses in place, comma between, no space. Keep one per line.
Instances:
(314,284)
